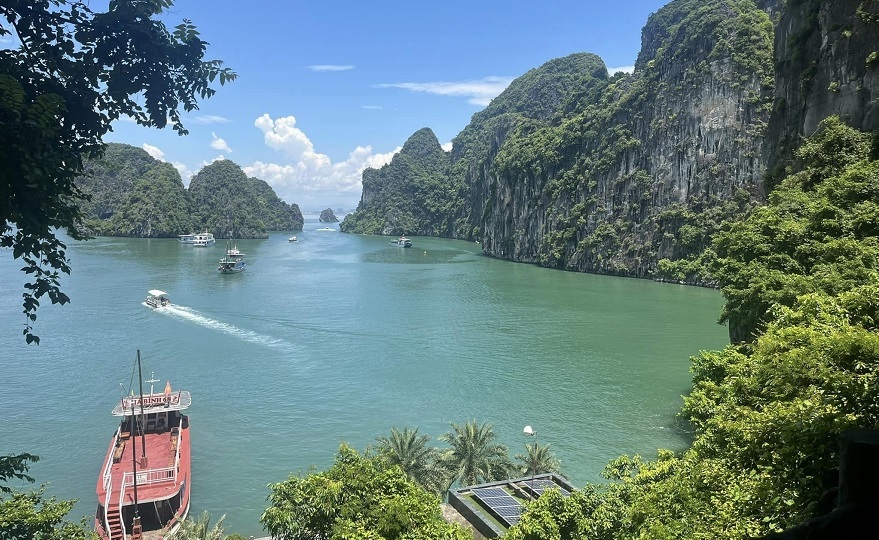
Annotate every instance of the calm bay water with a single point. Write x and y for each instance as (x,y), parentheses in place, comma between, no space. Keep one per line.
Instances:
(339,337)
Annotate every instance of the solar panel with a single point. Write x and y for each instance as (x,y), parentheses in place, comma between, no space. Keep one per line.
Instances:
(490,492)
(500,502)
(510,514)
(542,484)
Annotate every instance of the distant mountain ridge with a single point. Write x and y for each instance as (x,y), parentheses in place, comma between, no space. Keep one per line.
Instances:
(133,194)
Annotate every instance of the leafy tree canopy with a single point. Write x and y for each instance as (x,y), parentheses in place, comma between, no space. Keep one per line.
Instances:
(359,497)
(819,232)
(72,74)
(26,515)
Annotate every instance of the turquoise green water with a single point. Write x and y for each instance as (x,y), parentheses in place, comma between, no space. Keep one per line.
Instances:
(336,338)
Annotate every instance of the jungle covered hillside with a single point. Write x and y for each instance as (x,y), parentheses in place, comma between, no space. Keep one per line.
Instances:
(132,194)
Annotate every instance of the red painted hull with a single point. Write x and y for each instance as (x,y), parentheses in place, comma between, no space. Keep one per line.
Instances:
(163,482)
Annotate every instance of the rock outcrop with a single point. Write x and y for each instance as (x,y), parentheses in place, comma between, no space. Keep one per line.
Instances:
(327,216)
(827,58)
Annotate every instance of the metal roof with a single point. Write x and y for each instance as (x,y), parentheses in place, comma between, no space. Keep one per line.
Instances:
(157,292)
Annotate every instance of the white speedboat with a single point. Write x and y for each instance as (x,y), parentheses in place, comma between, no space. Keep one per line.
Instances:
(291,239)
(402,242)
(156,298)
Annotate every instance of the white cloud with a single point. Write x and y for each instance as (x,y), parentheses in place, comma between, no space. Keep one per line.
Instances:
(205,119)
(372,107)
(624,69)
(185,172)
(154,151)
(310,177)
(447,146)
(329,67)
(219,144)
(220,157)
(478,92)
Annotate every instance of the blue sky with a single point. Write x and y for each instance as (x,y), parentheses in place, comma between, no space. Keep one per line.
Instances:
(327,88)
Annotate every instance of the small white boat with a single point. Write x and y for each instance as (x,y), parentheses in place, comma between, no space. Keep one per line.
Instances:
(402,242)
(291,239)
(233,262)
(156,298)
(326,229)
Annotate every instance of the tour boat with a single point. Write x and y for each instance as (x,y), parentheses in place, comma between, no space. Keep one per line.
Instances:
(291,239)
(326,229)
(402,242)
(233,262)
(204,239)
(145,484)
(156,298)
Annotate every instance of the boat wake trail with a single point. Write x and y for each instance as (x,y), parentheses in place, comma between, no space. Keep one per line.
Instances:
(193,315)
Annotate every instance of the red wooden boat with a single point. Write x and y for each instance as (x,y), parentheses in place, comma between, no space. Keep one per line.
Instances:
(145,483)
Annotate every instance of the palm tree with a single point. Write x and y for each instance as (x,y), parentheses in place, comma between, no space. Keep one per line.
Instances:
(538,459)
(474,456)
(410,452)
(200,529)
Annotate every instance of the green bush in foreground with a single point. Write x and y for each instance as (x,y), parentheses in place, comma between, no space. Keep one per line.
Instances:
(358,497)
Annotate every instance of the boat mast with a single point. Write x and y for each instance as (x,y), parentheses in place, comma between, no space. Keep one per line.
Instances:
(135,525)
(142,420)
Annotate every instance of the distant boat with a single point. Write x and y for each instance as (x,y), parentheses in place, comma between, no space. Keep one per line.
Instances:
(326,229)
(145,483)
(156,298)
(204,239)
(233,262)
(401,242)
(291,239)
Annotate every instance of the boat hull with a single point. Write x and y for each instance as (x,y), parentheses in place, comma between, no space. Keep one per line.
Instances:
(231,268)
(163,479)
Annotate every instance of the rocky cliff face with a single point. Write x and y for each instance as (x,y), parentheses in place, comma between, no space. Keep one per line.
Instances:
(827,56)
(623,173)
(631,175)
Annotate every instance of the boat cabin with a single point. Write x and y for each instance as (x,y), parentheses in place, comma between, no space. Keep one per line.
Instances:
(156,298)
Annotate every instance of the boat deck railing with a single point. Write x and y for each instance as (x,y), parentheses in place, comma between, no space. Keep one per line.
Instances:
(150,476)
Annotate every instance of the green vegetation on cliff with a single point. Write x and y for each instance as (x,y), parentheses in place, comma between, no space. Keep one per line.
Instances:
(133,194)
(229,204)
(410,195)
(156,206)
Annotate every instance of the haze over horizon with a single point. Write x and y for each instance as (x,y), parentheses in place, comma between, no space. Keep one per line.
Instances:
(326,90)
